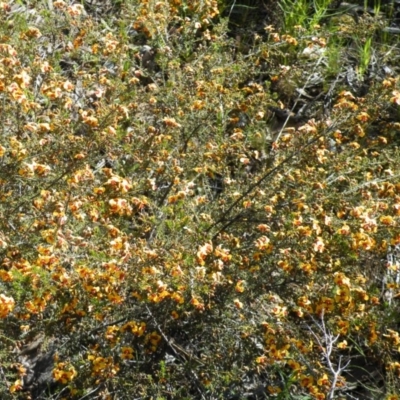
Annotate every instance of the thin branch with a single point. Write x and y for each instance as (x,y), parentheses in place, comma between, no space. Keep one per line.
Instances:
(91,392)
(262,179)
(327,346)
(177,350)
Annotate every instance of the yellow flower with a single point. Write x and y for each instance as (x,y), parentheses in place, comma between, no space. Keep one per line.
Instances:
(386,220)
(342,345)
(16,386)
(111,333)
(306,381)
(344,230)
(127,353)
(274,389)
(294,365)
(239,286)
(154,338)
(261,360)
(363,117)
(64,373)
(323,381)
(343,295)
(341,279)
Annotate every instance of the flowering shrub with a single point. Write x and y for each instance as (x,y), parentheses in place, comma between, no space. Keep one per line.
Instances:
(191,213)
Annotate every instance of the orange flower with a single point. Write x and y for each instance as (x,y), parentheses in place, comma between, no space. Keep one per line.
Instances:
(171,122)
(6,305)
(396,97)
(196,303)
(238,303)
(263,244)
(203,252)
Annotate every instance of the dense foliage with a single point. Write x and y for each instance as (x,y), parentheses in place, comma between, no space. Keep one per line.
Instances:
(199,200)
